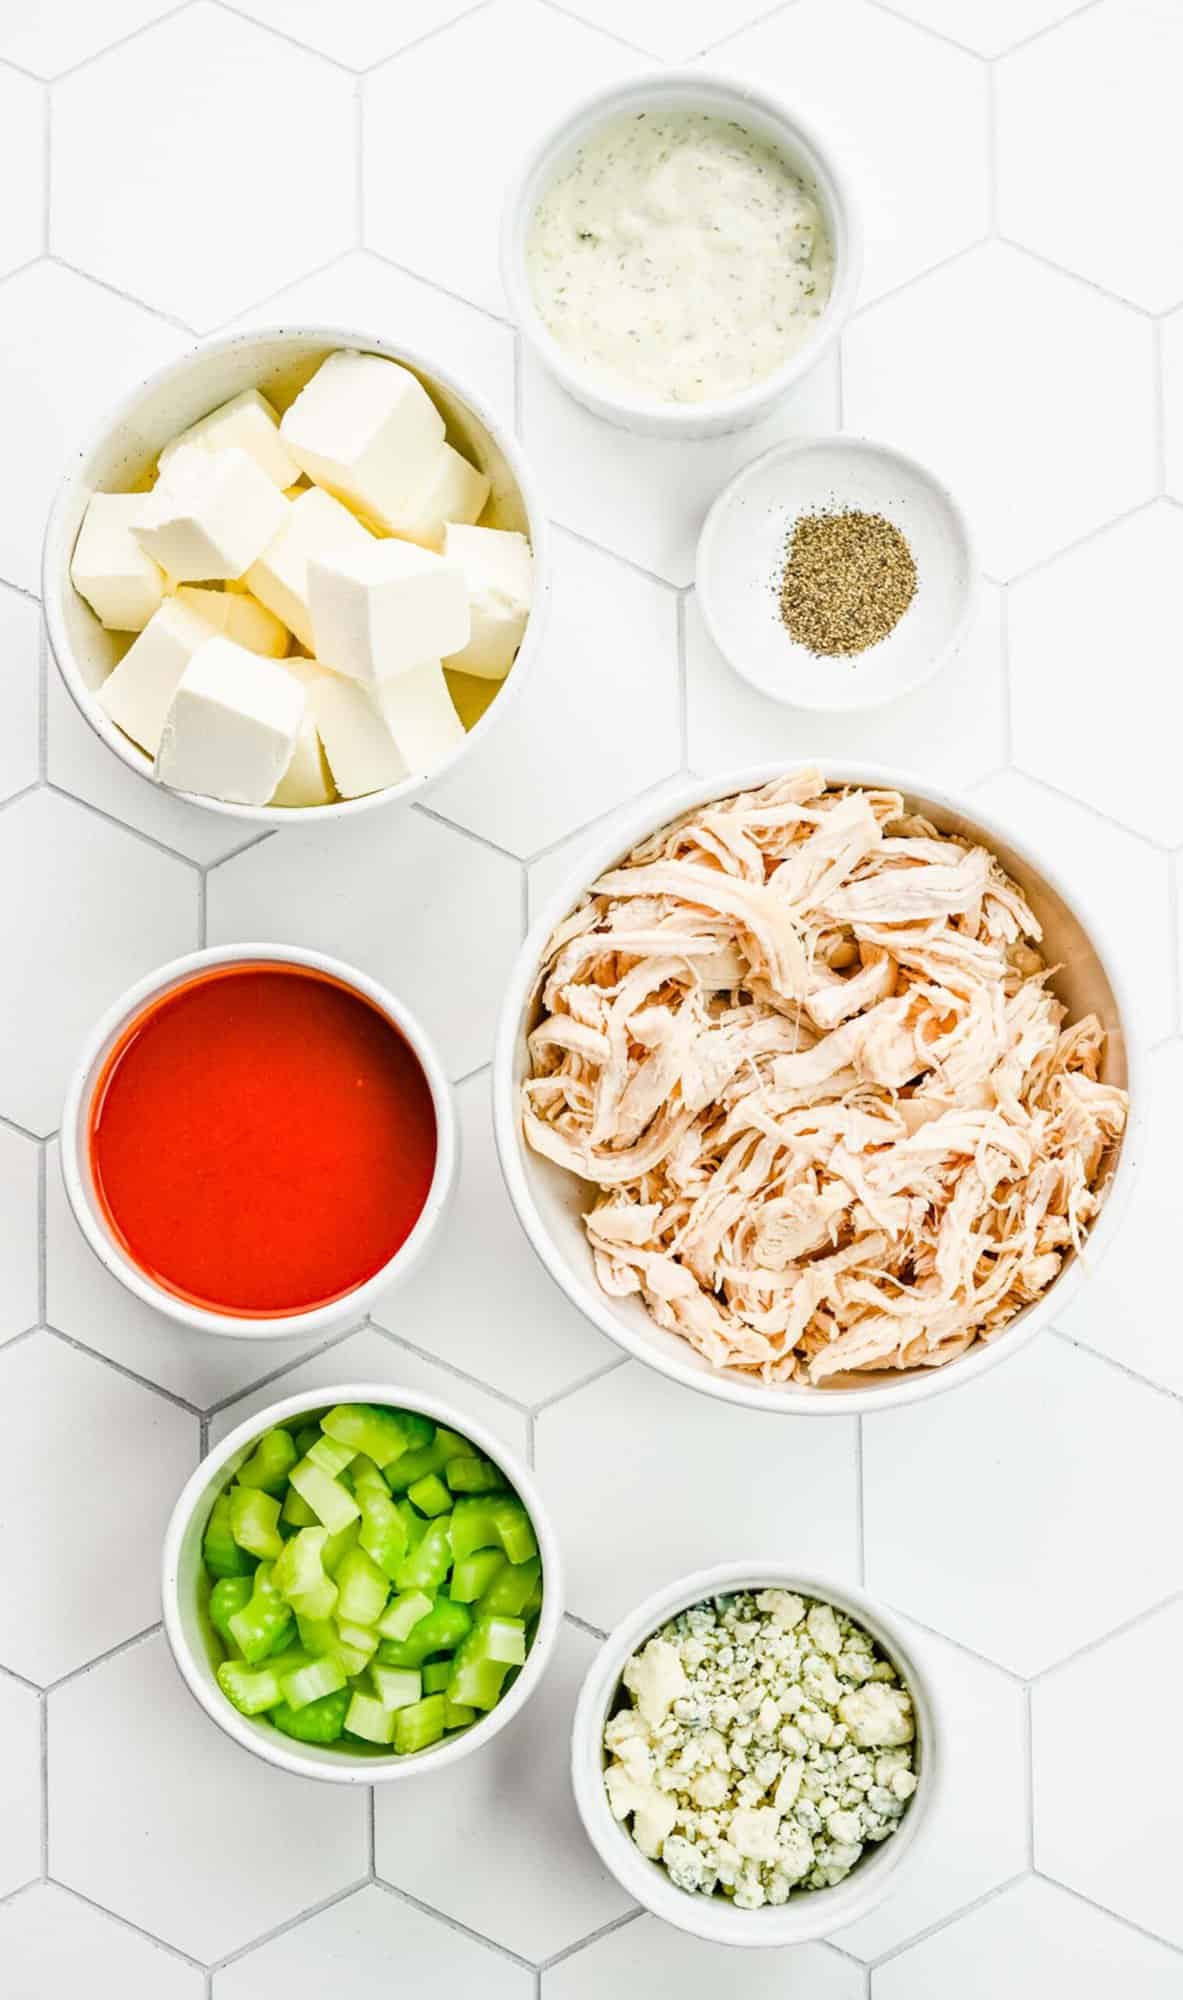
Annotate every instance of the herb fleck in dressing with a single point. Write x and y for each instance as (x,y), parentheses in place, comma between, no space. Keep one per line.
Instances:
(679,256)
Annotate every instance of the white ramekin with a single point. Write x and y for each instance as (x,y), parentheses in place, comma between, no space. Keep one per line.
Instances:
(194,1648)
(810,1914)
(122,451)
(550,1203)
(79,1182)
(760,112)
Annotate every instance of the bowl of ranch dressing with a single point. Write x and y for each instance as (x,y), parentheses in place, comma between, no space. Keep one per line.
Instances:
(680,250)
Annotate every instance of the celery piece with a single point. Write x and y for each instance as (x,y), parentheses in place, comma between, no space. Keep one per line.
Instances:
(475,1574)
(364,1477)
(477,1683)
(445,1625)
(251,1689)
(328,1499)
(363,1589)
(304,1436)
(320,1722)
(474,1475)
(228,1595)
(331,1456)
(430,1495)
(355,1643)
(319,1602)
(420,1724)
(264,1620)
(299,1569)
(317,1635)
(456,1715)
(383,1532)
(433,1457)
(309,1683)
(383,1434)
(220,1552)
(254,1522)
(270,1462)
(513,1528)
(515,1590)
(366,1717)
(436,1675)
(339,1544)
(474,1526)
(503,1639)
(403,1613)
(484,1657)
(397,1687)
(414,1524)
(296,1512)
(425,1567)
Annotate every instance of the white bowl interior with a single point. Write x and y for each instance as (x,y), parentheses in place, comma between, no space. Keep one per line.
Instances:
(551,1202)
(741,558)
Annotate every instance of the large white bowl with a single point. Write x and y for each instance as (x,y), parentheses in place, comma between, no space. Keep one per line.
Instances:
(119,459)
(551,1202)
(195,1647)
(809,1914)
(807,153)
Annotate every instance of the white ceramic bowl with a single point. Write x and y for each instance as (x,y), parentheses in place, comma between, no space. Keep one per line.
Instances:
(550,1202)
(808,1914)
(809,156)
(195,1648)
(277,360)
(79,1181)
(741,557)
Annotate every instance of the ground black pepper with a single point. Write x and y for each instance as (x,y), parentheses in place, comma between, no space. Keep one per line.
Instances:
(848,580)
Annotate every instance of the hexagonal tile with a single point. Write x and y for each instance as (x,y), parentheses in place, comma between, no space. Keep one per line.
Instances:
(511,1804)
(355,1946)
(987,26)
(198,229)
(449,230)
(55,386)
(602,707)
(20,1754)
(91,1473)
(368,890)
(89,909)
(570,860)
(671,33)
(978,1836)
(953,730)
(22,153)
(935,109)
(1107,1826)
(1048,1493)
(48,1936)
(483,1301)
(20,703)
(648,1957)
(19,1284)
(1060,1945)
(356,32)
(1110,873)
(1171,338)
(648,1481)
(646,498)
(1129,246)
(50,39)
(160,1817)
(1002,419)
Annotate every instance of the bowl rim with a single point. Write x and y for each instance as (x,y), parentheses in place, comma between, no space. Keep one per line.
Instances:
(708,581)
(622,831)
(802,1917)
(56,556)
(719,413)
(328,1764)
(319,1319)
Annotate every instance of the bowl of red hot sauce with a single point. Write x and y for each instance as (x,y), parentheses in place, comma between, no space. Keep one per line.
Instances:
(258,1140)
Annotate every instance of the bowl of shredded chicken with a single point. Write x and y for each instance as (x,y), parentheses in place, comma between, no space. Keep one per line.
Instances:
(815,1090)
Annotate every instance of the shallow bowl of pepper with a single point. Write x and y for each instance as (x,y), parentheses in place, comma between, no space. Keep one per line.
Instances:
(835,573)
(360,1583)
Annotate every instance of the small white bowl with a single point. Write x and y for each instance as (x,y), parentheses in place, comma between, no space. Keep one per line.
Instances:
(741,557)
(808,1914)
(551,1203)
(809,156)
(195,1649)
(79,1181)
(119,457)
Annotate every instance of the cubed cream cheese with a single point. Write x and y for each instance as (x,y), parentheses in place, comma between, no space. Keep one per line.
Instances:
(249,423)
(307,780)
(137,694)
(210,515)
(232,725)
(239,616)
(366,430)
(381,609)
(119,580)
(420,714)
(498,573)
(377,737)
(454,491)
(315,524)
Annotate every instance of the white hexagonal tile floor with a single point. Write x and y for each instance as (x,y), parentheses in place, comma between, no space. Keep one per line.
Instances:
(646,1957)
(364,1945)
(20,706)
(49,1940)
(987,26)
(20,1170)
(22,164)
(356,32)
(20,1752)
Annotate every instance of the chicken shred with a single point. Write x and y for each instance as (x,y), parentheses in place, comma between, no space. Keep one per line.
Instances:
(805,1049)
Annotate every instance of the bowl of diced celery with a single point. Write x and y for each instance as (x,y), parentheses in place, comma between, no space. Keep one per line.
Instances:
(359,1582)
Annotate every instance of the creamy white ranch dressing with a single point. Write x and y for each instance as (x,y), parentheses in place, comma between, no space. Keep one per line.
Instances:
(679,257)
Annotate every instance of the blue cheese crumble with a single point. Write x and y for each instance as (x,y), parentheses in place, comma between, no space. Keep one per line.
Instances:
(767,1743)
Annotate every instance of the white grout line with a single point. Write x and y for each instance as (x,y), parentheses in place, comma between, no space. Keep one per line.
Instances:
(428,35)
(283,1369)
(117,1917)
(951,1917)
(438,1360)
(217,1965)
(1108,1910)
(123,825)
(167,318)
(746,27)
(1122,1368)
(568,13)
(120,42)
(101,1659)
(1128,1625)
(466,832)
(1043,784)
(401,1895)
(584,1382)
(120,1368)
(42,1230)
(1078,278)
(593,1937)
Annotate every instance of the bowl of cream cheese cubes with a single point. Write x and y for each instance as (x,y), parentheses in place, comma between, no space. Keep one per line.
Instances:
(299,570)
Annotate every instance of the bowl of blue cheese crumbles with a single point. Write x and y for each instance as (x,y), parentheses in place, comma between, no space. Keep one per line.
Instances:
(754,1755)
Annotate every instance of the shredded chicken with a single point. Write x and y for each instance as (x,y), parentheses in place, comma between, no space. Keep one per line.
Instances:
(805,1048)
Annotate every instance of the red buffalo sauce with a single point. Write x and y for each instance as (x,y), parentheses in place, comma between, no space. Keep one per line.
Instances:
(262,1140)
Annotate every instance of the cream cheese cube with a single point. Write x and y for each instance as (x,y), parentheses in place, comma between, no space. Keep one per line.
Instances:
(421,716)
(315,524)
(120,582)
(249,423)
(366,430)
(362,754)
(232,726)
(307,780)
(455,491)
(210,515)
(498,571)
(239,616)
(379,610)
(138,693)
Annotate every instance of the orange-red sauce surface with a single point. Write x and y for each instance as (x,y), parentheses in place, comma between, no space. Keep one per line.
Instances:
(262,1140)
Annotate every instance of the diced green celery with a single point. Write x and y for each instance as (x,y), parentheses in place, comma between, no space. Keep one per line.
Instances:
(445,1625)
(474,1526)
(331,1456)
(228,1595)
(425,1567)
(474,1475)
(477,1683)
(300,1575)
(483,1659)
(349,1659)
(264,1621)
(366,1717)
(383,1532)
(339,1545)
(309,1683)
(383,1434)
(514,1530)
(333,1506)
(363,1589)
(270,1462)
(475,1574)
(430,1495)
(420,1724)
(364,1476)
(433,1457)
(320,1722)
(317,1635)
(403,1613)
(361,1641)
(456,1715)
(251,1689)
(304,1435)
(413,1522)
(219,1550)
(296,1512)
(254,1522)
(397,1687)
(503,1639)
(436,1675)
(514,1591)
